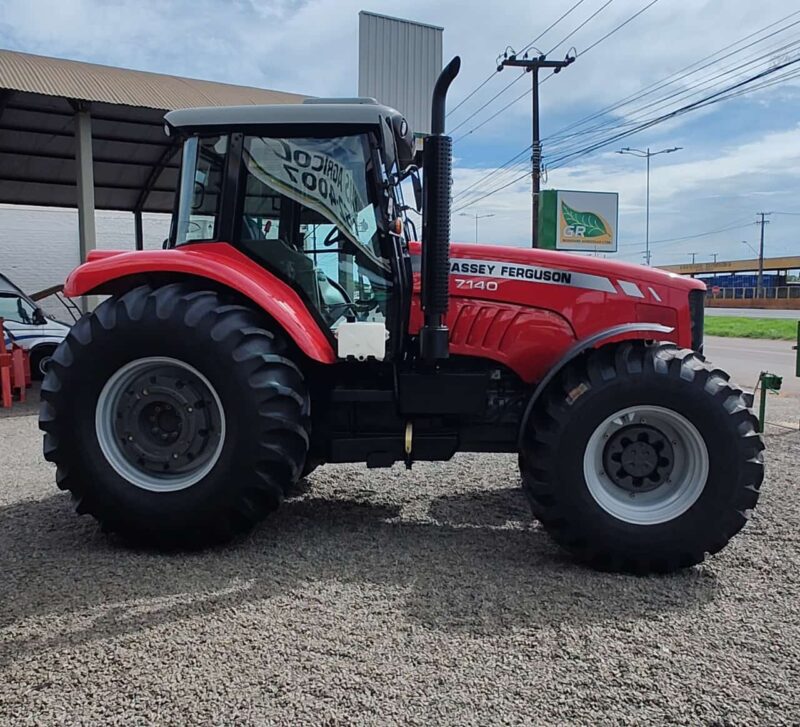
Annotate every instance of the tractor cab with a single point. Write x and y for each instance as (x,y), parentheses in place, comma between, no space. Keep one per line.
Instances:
(310,192)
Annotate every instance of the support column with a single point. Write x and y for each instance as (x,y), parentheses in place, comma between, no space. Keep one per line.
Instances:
(85,165)
(87,238)
(139,232)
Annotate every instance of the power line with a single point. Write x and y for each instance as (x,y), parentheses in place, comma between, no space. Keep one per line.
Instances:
(694,90)
(526,174)
(569,35)
(528,91)
(621,25)
(550,27)
(648,90)
(737,226)
(700,103)
(680,74)
(493,73)
(492,99)
(492,173)
(500,111)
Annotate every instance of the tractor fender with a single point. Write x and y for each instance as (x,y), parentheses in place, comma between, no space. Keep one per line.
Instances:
(622,332)
(105,270)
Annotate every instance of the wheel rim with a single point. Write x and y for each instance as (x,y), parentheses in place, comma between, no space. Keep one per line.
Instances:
(160,424)
(646,465)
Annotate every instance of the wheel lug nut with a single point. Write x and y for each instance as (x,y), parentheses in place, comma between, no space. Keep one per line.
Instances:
(175,455)
(130,437)
(145,392)
(189,409)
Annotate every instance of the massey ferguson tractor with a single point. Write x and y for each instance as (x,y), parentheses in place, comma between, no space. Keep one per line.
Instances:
(291,320)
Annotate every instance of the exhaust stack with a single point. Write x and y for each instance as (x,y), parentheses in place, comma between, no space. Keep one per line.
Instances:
(438,169)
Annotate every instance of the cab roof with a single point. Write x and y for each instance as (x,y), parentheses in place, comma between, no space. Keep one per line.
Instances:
(367,112)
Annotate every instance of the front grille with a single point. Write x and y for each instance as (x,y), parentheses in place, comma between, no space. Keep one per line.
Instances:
(696,312)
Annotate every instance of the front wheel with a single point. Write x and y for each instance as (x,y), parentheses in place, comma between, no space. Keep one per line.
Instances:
(175,417)
(642,458)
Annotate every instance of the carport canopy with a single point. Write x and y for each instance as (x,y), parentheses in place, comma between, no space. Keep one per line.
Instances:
(86,136)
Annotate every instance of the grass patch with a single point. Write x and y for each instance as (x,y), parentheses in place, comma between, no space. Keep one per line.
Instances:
(782,329)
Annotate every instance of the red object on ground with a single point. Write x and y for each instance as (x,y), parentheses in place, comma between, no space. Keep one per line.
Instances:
(20,372)
(5,370)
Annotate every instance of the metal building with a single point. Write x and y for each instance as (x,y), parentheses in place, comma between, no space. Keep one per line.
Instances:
(398,63)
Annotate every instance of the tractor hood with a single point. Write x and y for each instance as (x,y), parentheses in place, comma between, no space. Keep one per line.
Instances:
(552,260)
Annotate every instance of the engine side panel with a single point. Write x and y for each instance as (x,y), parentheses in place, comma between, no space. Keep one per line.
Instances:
(527,340)
(526,308)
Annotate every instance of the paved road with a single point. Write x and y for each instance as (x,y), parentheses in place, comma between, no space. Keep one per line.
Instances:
(753,313)
(745,358)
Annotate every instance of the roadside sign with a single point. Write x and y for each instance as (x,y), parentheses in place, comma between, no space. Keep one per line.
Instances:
(572,220)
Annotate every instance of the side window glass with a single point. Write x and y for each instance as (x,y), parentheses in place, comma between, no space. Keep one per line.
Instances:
(201,188)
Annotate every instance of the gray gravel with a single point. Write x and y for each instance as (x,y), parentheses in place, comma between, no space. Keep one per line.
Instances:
(389,597)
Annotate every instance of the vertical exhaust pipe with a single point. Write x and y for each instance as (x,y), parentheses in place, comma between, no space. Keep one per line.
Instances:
(438,171)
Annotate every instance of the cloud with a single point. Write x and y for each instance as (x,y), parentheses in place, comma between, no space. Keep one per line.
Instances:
(739,156)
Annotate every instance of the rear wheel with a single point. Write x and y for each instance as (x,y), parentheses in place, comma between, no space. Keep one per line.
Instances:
(174,418)
(642,458)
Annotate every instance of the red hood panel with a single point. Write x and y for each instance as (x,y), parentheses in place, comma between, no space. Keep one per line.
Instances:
(569,262)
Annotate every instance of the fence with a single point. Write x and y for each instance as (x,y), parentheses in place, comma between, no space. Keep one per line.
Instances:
(773,292)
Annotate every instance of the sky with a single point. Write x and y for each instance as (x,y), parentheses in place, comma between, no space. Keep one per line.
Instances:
(738,157)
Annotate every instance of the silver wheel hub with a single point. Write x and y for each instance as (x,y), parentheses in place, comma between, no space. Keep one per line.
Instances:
(160,424)
(646,465)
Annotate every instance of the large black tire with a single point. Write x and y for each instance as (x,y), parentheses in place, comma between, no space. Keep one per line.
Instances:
(579,401)
(262,446)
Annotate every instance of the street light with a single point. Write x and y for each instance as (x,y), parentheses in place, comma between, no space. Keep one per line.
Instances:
(745,242)
(477,217)
(646,154)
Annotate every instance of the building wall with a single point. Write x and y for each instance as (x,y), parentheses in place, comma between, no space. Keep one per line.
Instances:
(398,63)
(39,245)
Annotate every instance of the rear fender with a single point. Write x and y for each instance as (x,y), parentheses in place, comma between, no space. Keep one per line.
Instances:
(105,271)
(615,334)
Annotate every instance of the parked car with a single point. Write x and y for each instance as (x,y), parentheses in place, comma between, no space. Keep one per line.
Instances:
(25,323)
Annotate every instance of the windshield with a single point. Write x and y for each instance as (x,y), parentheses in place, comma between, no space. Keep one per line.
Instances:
(327,177)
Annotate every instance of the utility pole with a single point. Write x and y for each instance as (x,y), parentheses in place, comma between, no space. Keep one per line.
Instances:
(646,154)
(694,255)
(760,281)
(477,217)
(714,255)
(532,66)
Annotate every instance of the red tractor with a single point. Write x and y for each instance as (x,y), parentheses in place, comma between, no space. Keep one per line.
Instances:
(290,321)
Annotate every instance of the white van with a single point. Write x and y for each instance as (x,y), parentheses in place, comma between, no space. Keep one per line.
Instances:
(25,323)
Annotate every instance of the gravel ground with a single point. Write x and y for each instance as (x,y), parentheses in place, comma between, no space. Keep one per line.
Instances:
(388,597)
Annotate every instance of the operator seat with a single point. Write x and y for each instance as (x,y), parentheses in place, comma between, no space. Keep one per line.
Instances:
(281,257)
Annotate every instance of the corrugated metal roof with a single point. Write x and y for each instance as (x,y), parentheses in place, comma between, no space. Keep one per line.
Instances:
(91,82)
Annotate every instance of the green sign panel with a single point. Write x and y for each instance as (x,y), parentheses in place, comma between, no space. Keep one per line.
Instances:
(571,220)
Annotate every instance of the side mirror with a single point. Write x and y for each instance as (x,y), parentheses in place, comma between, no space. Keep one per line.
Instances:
(412,172)
(39,318)
(199,195)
